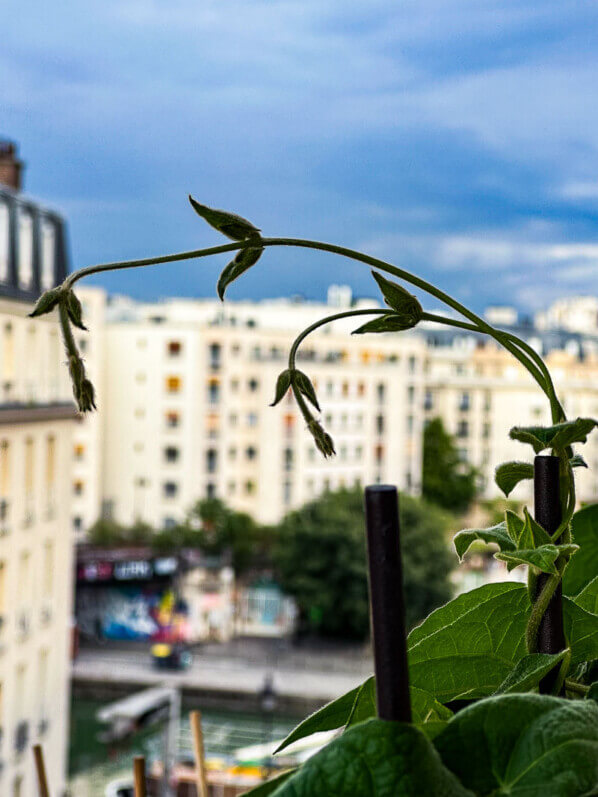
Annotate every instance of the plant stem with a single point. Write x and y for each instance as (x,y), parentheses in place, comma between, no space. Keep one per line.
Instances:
(574,686)
(539,610)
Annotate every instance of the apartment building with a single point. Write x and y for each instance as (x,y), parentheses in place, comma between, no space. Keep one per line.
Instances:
(37,422)
(187,415)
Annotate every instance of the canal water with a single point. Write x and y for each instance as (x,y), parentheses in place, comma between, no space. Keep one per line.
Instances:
(93,764)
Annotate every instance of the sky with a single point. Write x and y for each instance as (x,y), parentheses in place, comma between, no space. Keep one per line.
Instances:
(457,139)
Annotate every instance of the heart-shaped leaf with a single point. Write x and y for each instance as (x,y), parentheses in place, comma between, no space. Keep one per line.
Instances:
(584,566)
(588,597)
(234,227)
(524,746)
(508,475)
(467,648)
(375,759)
(528,672)
(498,534)
(557,437)
(581,632)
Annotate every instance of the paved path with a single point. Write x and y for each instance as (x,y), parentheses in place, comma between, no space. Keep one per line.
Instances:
(225,674)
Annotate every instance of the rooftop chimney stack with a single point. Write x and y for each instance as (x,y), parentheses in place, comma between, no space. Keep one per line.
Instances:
(11,168)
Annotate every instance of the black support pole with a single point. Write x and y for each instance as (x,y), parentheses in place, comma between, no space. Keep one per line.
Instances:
(548,513)
(387,603)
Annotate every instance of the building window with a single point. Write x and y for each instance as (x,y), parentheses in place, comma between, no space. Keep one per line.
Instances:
(464,402)
(50,465)
(173,419)
(170,489)
(211,460)
(48,251)
(251,452)
(29,453)
(79,451)
(360,389)
(171,453)
(289,423)
(8,359)
(174,348)
(252,419)
(410,394)
(210,490)
(4,241)
(173,384)
(409,424)
(381,391)
(463,429)
(25,249)
(253,385)
(215,351)
(213,391)
(250,487)
(234,385)
(77,523)
(168,522)
(486,431)
(462,454)
(288,459)
(380,424)
(345,389)
(412,364)
(379,454)
(232,452)
(78,487)
(428,400)
(286,493)
(4,469)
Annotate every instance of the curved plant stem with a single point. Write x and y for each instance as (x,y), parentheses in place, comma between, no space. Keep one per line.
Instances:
(539,610)
(574,686)
(67,332)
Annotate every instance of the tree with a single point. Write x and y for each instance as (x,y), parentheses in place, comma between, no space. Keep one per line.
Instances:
(320,559)
(446,480)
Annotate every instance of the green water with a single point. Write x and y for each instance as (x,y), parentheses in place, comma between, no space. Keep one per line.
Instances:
(93,764)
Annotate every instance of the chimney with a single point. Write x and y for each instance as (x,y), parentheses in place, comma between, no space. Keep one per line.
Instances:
(11,168)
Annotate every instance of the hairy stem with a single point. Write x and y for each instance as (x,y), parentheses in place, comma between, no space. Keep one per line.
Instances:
(539,610)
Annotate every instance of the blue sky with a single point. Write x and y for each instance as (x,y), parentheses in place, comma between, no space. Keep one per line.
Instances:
(456,138)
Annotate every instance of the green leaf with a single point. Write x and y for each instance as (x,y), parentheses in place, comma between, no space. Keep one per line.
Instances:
(400,300)
(588,597)
(359,705)
(524,746)
(333,715)
(242,261)
(581,632)
(269,786)
(74,310)
(283,383)
(577,461)
(593,692)
(543,557)
(46,302)
(375,759)
(514,525)
(557,437)
(528,672)
(497,534)
(234,227)
(385,323)
(584,566)
(303,384)
(467,648)
(532,534)
(508,475)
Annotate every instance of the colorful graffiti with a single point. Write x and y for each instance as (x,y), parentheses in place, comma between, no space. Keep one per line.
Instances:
(132,612)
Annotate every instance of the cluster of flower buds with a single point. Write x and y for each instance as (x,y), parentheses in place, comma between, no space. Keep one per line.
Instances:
(71,312)
(406,313)
(322,439)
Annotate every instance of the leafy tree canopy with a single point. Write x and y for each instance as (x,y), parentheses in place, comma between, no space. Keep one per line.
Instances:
(446,480)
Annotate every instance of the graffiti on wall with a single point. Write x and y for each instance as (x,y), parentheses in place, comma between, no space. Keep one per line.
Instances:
(132,612)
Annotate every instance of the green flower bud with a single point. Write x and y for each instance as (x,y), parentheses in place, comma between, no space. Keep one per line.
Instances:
(401,301)
(283,383)
(322,439)
(234,227)
(303,384)
(86,398)
(243,260)
(74,310)
(46,302)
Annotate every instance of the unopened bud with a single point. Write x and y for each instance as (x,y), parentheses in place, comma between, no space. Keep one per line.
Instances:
(322,439)
(46,302)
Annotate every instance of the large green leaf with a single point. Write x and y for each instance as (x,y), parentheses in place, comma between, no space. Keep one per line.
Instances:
(558,436)
(498,534)
(467,648)
(524,746)
(375,759)
(588,597)
(508,475)
(269,786)
(581,632)
(529,672)
(543,557)
(331,716)
(532,534)
(583,567)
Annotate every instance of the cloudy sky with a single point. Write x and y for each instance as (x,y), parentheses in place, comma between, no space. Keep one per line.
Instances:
(456,138)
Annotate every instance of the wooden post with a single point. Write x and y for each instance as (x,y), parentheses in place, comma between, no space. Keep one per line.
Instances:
(548,513)
(42,780)
(387,602)
(139,776)
(199,754)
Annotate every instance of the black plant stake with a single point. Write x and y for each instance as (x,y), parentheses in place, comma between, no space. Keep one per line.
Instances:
(387,602)
(547,507)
